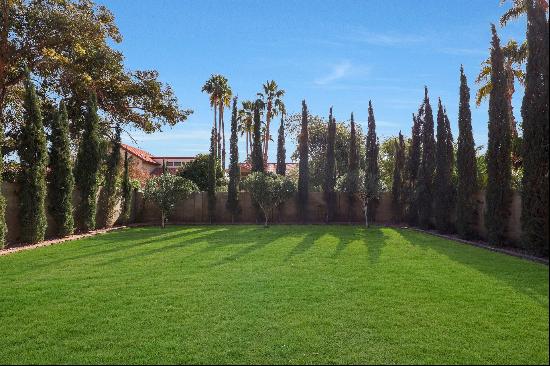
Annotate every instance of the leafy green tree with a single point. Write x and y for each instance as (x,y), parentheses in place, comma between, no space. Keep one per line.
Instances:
(212,170)
(166,190)
(272,98)
(466,209)
(108,196)
(372,171)
(498,152)
(61,179)
(330,169)
(269,190)
(443,186)
(234,171)
(414,157)
(33,157)
(534,110)
(257,156)
(126,189)
(397,182)
(88,163)
(427,166)
(281,150)
(197,172)
(303,178)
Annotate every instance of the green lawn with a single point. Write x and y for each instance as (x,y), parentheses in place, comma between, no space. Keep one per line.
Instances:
(286,294)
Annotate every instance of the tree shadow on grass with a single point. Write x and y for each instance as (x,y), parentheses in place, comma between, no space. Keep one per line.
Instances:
(515,272)
(374,239)
(305,244)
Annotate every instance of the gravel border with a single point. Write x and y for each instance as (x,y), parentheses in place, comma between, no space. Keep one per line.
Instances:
(46,243)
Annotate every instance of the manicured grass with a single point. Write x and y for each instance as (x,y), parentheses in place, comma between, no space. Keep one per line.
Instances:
(286,294)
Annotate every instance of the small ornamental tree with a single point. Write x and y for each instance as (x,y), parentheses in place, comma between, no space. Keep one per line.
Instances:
(372,171)
(269,190)
(414,157)
(303,178)
(466,210)
(33,157)
(281,150)
(427,166)
(88,163)
(108,196)
(330,169)
(397,184)
(234,171)
(126,192)
(499,165)
(534,109)
(212,170)
(61,180)
(166,190)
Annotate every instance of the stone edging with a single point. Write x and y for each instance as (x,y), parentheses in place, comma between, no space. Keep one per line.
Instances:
(57,241)
(482,245)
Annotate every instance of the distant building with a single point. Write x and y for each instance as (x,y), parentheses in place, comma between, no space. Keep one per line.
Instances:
(269,167)
(144,164)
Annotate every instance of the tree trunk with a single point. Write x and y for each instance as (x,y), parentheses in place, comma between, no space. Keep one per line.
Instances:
(247,156)
(223,141)
(220,130)
(366,216)
(163,218)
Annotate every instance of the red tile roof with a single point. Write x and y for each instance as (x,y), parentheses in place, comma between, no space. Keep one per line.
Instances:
(142,154)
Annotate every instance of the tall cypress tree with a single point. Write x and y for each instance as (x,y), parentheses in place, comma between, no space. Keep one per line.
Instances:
(534,110)
(330,169)
(33,156)
(257,155)
(212,168)
(126,192)
(499,163)
(466,208)
(397,189)
(281,150)
(234,172)
(413,168)
(108,196)
(3,226)
(353,169)
(443,186)
(372,171)
(61,183)
(88,163)
(427,166)
(303,178)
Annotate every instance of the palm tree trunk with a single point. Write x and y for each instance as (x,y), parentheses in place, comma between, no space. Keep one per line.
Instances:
(247,145)
(266,137)
(220,129)
(223,142)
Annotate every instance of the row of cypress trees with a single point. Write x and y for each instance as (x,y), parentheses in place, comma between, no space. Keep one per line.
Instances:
(47,178)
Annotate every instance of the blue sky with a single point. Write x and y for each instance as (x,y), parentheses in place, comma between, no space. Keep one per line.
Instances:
(339,53)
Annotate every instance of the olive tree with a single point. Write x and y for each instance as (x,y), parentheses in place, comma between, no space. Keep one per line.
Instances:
(269,190)
(166,190)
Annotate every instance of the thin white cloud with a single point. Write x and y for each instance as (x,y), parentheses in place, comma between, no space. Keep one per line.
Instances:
(387,39)
(338,72)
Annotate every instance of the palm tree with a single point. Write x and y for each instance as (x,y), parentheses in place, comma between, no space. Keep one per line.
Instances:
(273,103)
(246,115)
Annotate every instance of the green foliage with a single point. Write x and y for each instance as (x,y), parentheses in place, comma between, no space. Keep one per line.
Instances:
(397,191)
(212,170)
(427,166)
(126,189)
(466,206)
(414,157)
(281,150)
(88,164)
(269,190)
(33,156)
(444,197)
(109,197)
(330,169)
(534,109)
(372,170)
(166,190)
(234,171)
(197,172)
(61,179)
(303,178)
(353,165)
(499,151)
(3,226)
